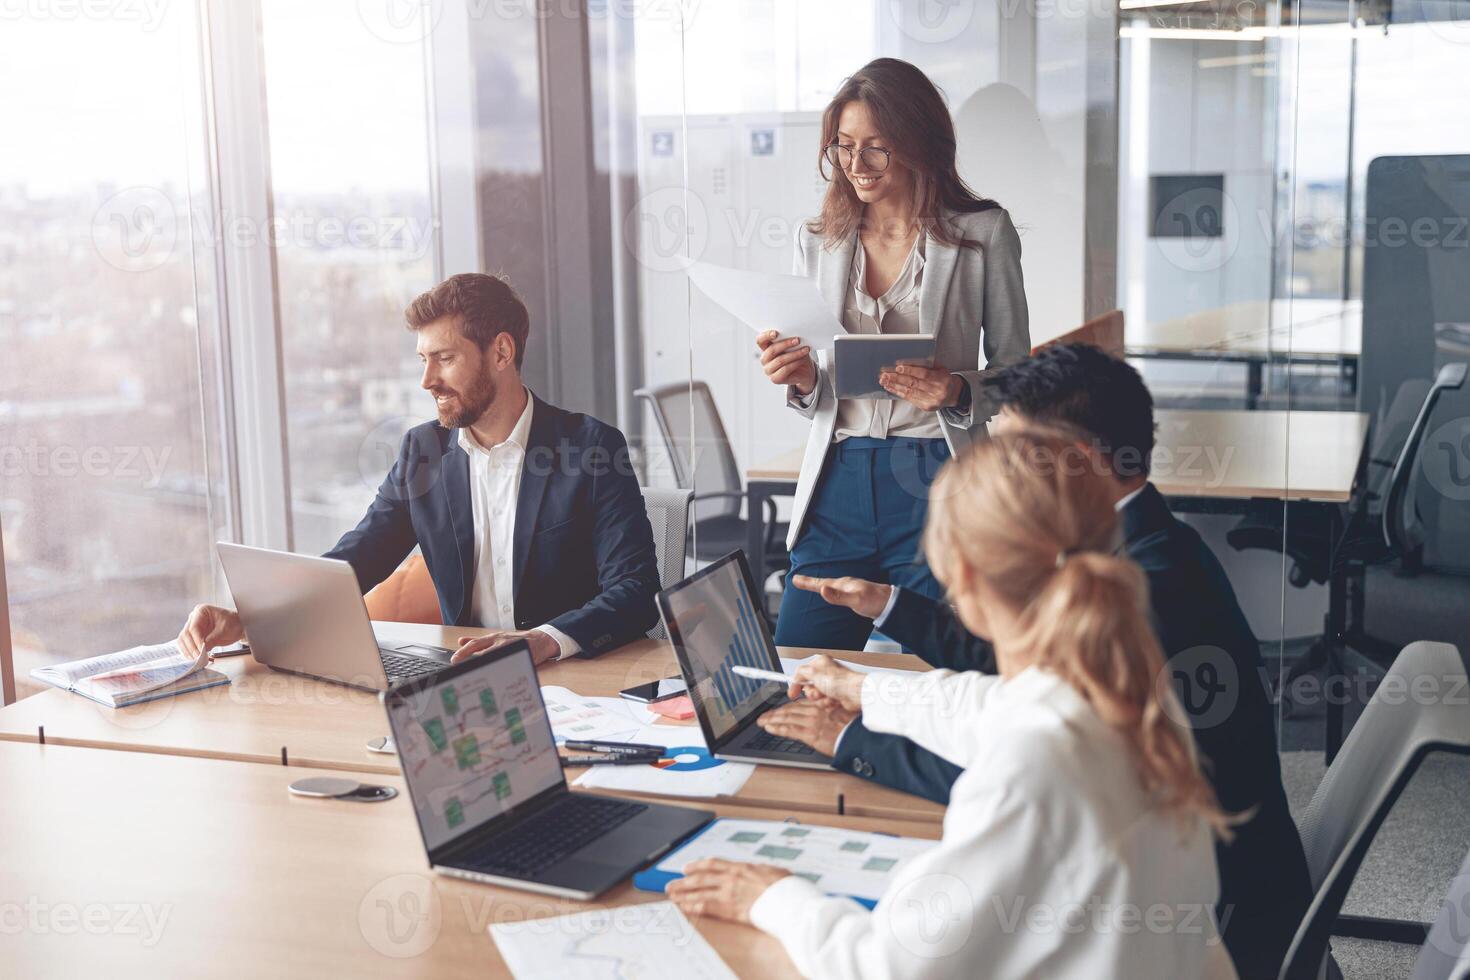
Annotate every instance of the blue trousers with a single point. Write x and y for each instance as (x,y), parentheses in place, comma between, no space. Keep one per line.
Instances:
(866,519)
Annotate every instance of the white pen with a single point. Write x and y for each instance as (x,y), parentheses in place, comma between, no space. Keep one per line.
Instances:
(756,674)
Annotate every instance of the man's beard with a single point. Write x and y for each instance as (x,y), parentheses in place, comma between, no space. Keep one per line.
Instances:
(468,405)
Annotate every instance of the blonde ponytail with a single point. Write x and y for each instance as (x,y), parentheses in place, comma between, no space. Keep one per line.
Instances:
(1031,514)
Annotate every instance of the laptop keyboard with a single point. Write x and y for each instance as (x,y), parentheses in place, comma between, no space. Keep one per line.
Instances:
(400,667)
(561,829)
(766,742)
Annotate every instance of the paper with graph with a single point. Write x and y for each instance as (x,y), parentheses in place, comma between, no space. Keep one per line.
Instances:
(838,861)
(593,719)
(636,942)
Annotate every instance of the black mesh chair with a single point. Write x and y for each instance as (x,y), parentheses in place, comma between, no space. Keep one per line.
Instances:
(1383,527)
(700,455)
(1446,953)
(1381,754)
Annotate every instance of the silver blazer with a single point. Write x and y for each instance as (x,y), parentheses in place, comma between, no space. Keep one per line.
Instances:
(973,302)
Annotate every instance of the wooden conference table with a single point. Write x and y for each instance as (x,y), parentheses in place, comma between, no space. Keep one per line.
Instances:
(1205,460)
(264,716)
(124,864)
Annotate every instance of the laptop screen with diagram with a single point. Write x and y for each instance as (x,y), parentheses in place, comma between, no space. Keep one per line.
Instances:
(475,746)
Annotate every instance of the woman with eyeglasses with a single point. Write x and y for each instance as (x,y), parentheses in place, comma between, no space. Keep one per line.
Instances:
(901,246)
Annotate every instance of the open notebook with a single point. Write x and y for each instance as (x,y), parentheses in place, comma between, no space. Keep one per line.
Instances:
(131,676)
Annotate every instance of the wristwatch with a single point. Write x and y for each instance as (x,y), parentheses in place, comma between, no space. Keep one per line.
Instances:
(962,403)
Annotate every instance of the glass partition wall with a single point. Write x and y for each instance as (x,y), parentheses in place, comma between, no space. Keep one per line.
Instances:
(1274,196)
(1231,177)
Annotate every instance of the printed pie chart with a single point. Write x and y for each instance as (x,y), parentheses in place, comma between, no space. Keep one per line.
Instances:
(687,758)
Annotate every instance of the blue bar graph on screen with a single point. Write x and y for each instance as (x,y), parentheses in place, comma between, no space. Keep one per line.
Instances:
(746,649)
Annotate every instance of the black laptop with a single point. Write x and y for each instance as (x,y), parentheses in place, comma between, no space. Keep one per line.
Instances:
(712,622)
(487,786)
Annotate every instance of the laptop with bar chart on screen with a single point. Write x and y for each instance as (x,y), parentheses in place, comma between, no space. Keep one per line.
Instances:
(711,620)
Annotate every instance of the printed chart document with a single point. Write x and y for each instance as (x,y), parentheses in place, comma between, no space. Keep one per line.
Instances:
(635,942)
(791,305)
(593,719)
(132,676)
(851,863)
(687,768)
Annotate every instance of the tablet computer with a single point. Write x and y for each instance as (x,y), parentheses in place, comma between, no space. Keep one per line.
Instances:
(859,358)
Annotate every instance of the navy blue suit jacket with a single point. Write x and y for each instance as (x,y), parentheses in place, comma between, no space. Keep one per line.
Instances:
(584,559)
(1264,884)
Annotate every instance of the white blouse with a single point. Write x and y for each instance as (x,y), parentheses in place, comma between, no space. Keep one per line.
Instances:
(896,311)
(1053,861)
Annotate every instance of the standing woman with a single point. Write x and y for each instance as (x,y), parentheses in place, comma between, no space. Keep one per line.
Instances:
(901,246)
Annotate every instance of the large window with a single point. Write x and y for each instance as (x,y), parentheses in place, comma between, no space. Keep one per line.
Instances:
(348,113)
(110,487)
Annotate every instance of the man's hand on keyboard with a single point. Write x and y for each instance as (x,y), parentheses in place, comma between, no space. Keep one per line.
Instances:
(543,646)
(814,723)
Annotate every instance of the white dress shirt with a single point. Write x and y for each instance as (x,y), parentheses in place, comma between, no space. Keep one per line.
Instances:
(896,311)
(495,485)
(882,617)
(1054,861)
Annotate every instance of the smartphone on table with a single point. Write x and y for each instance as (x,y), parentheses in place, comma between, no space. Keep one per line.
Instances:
(661,690)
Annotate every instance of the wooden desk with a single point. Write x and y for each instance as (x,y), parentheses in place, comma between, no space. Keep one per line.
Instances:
(1258,333)
(1238,455)
(1324,450)
(240,879)
(268,717)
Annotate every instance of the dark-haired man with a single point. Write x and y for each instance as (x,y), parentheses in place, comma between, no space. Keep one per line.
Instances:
(1264,884)
(529,518)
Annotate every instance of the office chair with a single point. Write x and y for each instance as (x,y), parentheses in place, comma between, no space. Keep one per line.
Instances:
(668,512)
(7,652)
(712,474)
(1379,757)
(1382,524)
(1445,955)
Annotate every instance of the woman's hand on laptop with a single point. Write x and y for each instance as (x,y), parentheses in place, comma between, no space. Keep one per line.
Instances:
(209,627)
(867,599)
(722,889)
(814,723)
(543,645)
(822,679)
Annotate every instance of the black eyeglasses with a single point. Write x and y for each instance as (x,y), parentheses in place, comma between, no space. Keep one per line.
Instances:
(874,158)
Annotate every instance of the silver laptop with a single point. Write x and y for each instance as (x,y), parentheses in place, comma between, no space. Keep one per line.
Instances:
(305,615)
(712,622)
(478,755)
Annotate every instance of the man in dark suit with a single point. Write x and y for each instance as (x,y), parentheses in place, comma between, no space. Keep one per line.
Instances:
(1214,657)
(529,518)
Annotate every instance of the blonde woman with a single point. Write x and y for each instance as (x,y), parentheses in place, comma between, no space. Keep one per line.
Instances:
(1078,840)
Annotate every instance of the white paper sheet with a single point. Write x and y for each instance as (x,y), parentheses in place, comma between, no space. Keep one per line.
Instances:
(635,942)
(791,305)
(717,779)
(578,717)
